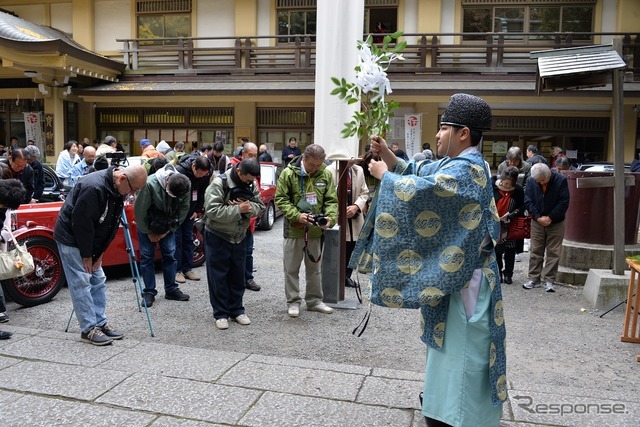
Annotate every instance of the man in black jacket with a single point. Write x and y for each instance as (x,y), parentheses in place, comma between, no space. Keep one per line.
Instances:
(87,223)
(198,170)
(21,171)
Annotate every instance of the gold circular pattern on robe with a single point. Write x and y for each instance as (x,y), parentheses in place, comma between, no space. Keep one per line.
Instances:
(427,223)
(478,175)
(501,387)
(391,297)
(431,296)
(498,313)
(492,354)
(386,225)
(409,262)
(451,259)
(405,189)
(491,277)
(469,216)
(438,334)
(446,185)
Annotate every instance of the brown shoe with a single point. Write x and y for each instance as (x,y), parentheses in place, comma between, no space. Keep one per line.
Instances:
(191,276)
(252,285)
(180,278)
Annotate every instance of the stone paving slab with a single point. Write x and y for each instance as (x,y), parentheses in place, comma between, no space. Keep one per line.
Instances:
(312,364)
(36,411)
(283,409)
(174,361)
(182,398)
(398,374)
(7,361)
(568,410)
(6,397)
(60,351)
(390,392)
(173,422)
(292,379)
(57,379)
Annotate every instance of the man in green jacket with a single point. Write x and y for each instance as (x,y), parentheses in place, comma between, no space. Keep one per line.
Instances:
(230,201)
(307,197)
(160,207)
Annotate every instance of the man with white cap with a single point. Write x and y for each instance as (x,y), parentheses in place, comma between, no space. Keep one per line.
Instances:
(436,225)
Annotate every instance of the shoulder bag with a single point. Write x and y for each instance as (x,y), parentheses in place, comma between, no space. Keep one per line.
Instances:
(16,262)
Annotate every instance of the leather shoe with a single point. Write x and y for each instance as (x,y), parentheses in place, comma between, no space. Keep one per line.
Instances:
(177,295)
(349,283)
(4,335)
(148,299)
(191,276)
(252,285)
(508,280)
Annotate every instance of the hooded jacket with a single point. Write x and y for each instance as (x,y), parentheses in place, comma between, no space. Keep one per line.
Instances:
(88,219)
(224,220)
(198,185)
(154,194)
(289,192)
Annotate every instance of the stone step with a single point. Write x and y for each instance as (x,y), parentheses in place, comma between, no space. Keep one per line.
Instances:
(583,256)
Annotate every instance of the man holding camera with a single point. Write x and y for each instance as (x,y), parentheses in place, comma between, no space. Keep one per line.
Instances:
(230,201)
(307,197)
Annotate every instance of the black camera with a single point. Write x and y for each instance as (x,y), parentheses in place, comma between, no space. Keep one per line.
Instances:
(319,219)
(117,158)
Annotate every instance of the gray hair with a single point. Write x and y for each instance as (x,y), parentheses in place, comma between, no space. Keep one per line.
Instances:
(540,170)
(315,151)
(514,153)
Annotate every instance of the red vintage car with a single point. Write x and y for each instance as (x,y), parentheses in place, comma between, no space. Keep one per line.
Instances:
(34,225)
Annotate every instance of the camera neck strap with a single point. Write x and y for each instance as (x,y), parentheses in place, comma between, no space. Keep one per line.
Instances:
(306,245)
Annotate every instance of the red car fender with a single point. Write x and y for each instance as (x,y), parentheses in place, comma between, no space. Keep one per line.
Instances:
(30,230)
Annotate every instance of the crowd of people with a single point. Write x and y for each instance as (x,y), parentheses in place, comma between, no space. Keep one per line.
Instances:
(463,259)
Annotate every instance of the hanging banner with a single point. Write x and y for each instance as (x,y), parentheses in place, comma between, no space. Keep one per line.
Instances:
(413,134)
(48,135)
(33,128)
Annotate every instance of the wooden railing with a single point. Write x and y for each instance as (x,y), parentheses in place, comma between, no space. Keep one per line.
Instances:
(497,53)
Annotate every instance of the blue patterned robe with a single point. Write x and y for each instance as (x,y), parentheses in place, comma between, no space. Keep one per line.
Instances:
(430,226)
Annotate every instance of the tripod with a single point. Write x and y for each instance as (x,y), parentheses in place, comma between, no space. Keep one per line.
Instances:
(135,273)
(614,307)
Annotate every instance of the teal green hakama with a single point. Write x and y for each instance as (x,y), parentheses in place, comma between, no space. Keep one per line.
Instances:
(457,387)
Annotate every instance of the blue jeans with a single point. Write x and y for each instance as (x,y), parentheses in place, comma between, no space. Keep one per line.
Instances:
(184,246)
(248,268)
(147,268)
(88,291)
(225,275)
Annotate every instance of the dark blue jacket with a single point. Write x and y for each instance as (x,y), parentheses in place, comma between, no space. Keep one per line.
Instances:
(553,203)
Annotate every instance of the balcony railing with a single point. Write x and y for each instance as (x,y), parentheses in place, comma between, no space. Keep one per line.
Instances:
(490,53)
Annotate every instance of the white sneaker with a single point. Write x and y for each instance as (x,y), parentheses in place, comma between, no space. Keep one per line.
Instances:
(222,323)
(294,310)
(243,319)
(548,287)
(321,308)
(518,259)
(530,284)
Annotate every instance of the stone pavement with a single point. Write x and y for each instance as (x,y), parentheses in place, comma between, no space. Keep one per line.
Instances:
(51,378)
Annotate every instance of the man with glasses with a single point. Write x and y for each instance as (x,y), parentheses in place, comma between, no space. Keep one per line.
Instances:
(160,207)
(305,189)
(87,223)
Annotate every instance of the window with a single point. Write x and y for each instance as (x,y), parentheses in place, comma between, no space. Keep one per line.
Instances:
(514,20)
(296,22)
(163,19)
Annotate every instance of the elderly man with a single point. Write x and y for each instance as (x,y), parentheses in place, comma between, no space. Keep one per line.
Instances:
(547,200)
(305,189)
(160,207)
(108,146)
(20,170)
(83,166)
(38,173)
(436,225)
(264,155)
(86,225)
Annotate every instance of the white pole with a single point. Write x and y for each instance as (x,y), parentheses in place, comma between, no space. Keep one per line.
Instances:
(339,25)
